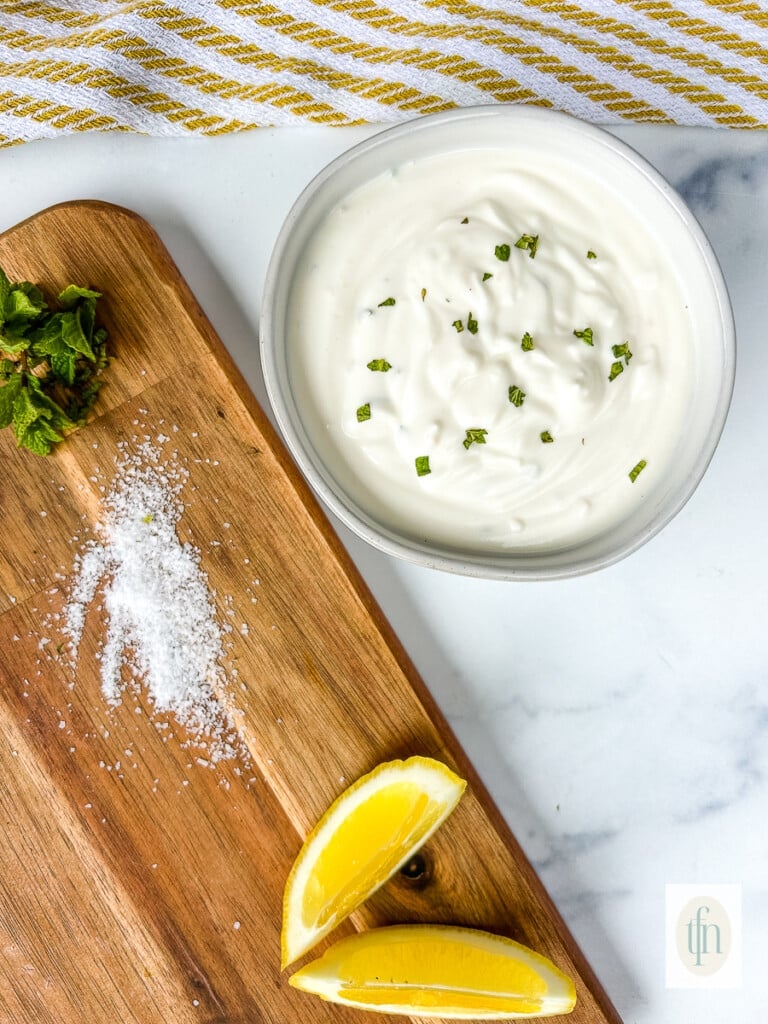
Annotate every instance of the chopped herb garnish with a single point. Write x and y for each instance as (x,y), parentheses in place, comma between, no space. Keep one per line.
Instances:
(379,365)
(50,362)
(487,276)
(475,435)
(465,221)
(516,395)
(471,325)
(616,369)
(147,518)
(591,255)
(622,350)
(458,325)
(364,412)
(422,465)
(526,342)
(637,470)
(546,437)
(423,294)
(585,335)
(387,302)
(502,252)
(529,242)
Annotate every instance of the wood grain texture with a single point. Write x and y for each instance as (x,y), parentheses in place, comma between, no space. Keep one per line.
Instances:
(135,884)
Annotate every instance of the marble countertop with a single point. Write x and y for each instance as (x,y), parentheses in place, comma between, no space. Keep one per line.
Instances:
(620,720)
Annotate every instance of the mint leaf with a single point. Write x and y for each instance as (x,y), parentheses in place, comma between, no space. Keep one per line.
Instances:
(73,335)
(54,383)
(13,343)
(24,302)
(25,411)
(458,325)
(502,252)
(516,395)
(616,369)
(72,293)
(475,435)
(58,417)
(40,437)
(471,325)
(8,394)
(5,287)
(529,242)
(422,465)
(591,255)
(364,412)
(622,350)
(526,342)
(546,437)
(487,276)
(585,335)
(387,302)
(379,365)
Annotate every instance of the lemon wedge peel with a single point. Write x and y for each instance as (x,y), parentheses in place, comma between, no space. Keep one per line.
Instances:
(438,971)
(367,834)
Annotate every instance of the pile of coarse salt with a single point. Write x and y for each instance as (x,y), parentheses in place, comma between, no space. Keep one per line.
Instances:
(161,629)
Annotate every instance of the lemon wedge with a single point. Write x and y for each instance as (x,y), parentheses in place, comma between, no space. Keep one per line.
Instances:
(364,837)
(438,971)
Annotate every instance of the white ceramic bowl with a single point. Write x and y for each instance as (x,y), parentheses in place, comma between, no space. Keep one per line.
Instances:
(658,204)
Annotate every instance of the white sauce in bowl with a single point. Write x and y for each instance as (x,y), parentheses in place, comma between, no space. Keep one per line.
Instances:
(425,234)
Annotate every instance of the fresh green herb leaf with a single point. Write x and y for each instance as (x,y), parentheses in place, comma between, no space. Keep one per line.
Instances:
(465,221)
(516,395)
(529,242)
(148,518)
(471,325)
(546,437)
(5,287)
(423,294)
(502,252)
(475,435)
(387,302)
(39,437)
(379,365)
(422,465)
(72,293)
(8,394)
(23,303)
(585,335)
(487,276)
(616,369)
(622,351)
(49,360)
(526,343)
(458,325)
(364,412)
(635,472)
(591,255)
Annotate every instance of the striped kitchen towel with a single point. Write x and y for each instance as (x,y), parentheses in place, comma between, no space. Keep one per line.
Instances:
(177,67)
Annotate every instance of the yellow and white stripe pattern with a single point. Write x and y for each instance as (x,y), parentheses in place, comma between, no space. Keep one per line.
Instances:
(176,67)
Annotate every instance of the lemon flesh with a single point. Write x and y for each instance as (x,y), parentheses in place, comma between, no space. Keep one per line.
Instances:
(439,971)
(366,835)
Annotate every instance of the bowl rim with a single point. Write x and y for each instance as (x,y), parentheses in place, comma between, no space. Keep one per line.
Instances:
(494,565)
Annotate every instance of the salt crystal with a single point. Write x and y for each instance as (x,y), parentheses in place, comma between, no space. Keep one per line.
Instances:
(161,619)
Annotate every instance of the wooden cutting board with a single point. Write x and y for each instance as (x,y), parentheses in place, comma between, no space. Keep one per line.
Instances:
(135,884)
